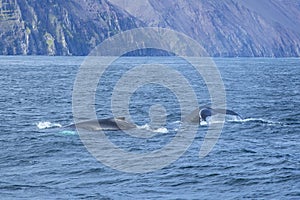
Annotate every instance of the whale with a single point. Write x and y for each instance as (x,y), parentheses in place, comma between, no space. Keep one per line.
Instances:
(108,124)
(204,112)
(198,115)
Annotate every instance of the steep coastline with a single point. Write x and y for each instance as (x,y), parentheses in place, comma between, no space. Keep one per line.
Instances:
(54,27)
(226,28)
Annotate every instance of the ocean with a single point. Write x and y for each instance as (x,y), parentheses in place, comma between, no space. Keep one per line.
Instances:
(256,157)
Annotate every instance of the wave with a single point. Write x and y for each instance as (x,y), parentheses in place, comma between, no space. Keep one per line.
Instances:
(46,124)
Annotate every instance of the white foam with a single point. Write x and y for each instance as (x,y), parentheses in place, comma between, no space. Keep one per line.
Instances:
(46,124)
(148,128)
(203,123)
(233,118)
(259,120)
(176,122)
(249,120)
(211,120)
(161,130)
(145,127)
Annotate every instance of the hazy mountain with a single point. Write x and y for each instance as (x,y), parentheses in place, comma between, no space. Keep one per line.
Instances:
(227,27)
(224,28)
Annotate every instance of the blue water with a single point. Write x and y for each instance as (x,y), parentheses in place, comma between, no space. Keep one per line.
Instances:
(258,157)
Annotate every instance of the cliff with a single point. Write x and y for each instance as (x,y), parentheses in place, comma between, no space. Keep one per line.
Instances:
(228,27)
(54,27)
(224,28)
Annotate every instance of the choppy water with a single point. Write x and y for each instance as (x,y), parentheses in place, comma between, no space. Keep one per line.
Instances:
(257,157)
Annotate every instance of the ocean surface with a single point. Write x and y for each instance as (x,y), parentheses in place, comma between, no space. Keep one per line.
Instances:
(257,157)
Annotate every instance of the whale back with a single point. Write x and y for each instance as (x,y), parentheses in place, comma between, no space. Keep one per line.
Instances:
(193,117)
(109,124)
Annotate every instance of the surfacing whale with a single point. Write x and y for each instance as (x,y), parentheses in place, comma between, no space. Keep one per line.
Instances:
(109,124)
(203,112)
(119,123)
(206,112)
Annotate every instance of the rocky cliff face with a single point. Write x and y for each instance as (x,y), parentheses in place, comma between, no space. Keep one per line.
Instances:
(224,28)
(228,27)
(54,27)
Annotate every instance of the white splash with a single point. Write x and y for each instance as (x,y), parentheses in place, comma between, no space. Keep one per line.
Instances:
(256,120)
(237,119)
(148,128)
(203,123)
(161,130)
(44,125)
(145,127)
